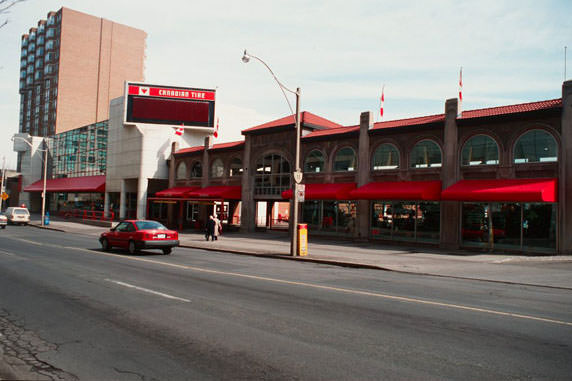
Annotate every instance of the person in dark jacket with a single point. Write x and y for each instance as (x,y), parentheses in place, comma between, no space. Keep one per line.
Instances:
(211,224)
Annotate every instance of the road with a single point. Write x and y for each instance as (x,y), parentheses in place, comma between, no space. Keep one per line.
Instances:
(70,311)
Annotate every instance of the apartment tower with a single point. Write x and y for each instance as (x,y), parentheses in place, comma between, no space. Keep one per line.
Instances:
(71,66)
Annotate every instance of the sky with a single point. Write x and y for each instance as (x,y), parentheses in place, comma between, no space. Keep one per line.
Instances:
(340,54)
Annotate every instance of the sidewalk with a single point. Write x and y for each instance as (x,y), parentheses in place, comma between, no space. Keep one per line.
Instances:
(547,271)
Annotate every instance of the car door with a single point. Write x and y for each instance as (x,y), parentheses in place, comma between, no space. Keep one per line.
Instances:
(118,235)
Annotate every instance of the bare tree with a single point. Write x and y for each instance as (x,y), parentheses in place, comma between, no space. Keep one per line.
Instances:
(5,6)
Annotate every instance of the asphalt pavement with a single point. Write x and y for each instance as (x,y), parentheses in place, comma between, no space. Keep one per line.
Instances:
(546,271)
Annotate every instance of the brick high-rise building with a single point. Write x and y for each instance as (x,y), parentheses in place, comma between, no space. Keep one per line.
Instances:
(72,65)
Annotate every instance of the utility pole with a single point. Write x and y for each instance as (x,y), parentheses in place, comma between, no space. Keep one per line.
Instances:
(2,180)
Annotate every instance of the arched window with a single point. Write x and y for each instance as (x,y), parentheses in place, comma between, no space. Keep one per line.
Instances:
(217,168)
(345,160)
(196,170)
(236,167)
(426,154)
(480,150)
(314,162)
(272,175)
(386,156)
(535,146)
(181,171)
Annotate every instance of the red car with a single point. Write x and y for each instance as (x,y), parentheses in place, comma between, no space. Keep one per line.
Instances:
(135,235)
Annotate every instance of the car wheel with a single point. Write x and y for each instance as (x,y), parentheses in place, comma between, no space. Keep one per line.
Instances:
(105,246)
(167,250)
(131,247)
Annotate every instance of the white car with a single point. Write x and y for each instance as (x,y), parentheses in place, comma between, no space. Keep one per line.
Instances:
(18,215)
(3,221)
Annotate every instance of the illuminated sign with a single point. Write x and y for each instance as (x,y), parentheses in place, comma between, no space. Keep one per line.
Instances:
(174,106)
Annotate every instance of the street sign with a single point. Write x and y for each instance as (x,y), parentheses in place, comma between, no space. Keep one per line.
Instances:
(301,190)
(298,176)
(5,196)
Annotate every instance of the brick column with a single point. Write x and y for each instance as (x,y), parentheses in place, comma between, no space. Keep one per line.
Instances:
(362,219)
(248,206)
(450,210)
(565,178)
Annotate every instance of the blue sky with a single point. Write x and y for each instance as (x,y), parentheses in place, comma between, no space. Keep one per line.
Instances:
(339,52)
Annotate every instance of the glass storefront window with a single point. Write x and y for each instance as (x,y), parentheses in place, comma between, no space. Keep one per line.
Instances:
(480,150)
(337,217)
(236,167)
(182,171)
(426,154)
(539,226)
(314,162)
(345,160)
(406,221)
(386,156)
(534,147)
(513,226)
(217,168)
(272,175)
(196,170)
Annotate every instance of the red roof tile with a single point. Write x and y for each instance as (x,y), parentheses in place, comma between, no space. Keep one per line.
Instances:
(409,121)
(214,147)
(512,109)
(331,131)
(306,118)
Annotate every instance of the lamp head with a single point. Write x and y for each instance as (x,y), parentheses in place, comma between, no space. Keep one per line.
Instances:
(245,57)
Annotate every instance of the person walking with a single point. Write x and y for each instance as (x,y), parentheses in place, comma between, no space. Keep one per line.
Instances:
(210,228)
(217,228)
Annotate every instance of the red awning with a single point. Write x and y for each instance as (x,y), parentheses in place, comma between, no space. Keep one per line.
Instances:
(86,184)
(399,190)
(175,192)
(217,193)
(508,190)
(339,191)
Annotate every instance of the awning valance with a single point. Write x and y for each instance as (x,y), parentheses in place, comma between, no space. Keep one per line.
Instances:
(507,190)
(339,191)
(399,190)
(175,192)
(85,184)
(223,192)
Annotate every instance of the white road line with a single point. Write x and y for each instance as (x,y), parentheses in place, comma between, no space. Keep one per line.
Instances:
(148,291)
(336,289)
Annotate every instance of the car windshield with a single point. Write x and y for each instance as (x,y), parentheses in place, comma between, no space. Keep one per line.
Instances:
(146,225)
(20,211)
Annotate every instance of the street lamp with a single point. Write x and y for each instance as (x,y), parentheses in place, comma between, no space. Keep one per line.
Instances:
(45,150)
(297,172)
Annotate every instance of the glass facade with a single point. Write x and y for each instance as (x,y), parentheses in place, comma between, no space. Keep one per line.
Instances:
(516,226)
(217,168)
(272,175)
(426,154)
(535,146)
(406,221)
(80,152)
(314,162)
(480,150)
(386,156)
(345,160)
(236,167)
(181,171)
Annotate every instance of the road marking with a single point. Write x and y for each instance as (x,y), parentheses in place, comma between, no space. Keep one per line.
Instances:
(7,253)
(148,291)
(329,288)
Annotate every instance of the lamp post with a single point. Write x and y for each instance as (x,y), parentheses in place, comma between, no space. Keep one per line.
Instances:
(45,150)
(297,175)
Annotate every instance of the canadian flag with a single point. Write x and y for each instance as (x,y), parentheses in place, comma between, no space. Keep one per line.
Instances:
(460,110)
(179,131)
(381,100)
(216,128)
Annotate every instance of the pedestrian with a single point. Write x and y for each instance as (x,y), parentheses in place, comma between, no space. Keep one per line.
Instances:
(217,228)
(210,228)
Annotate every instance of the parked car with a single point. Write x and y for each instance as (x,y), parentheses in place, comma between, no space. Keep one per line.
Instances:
(135,235)
(18,215)
(3,221)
